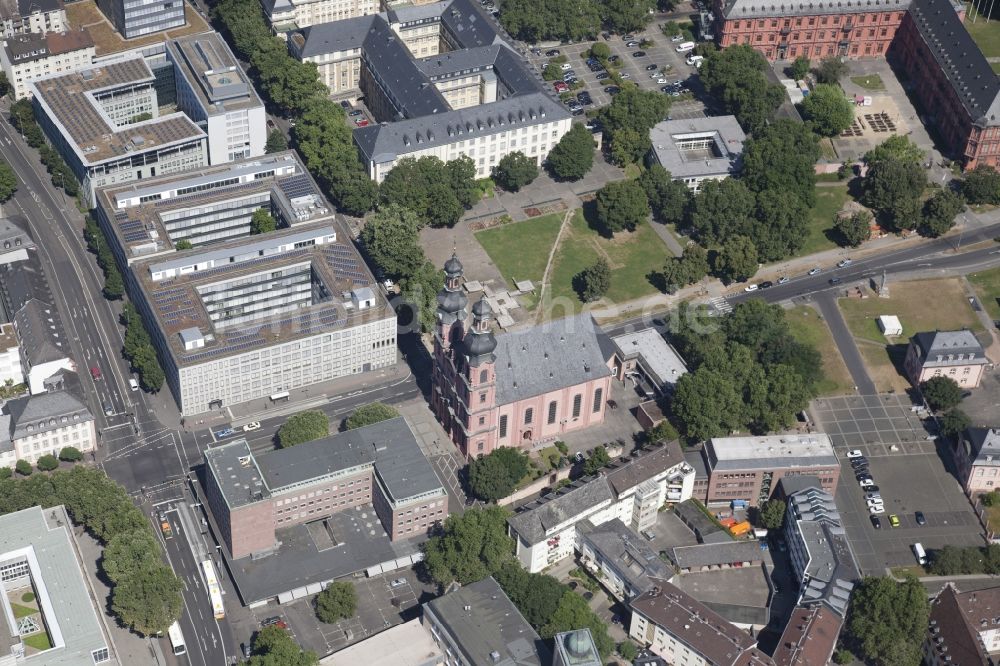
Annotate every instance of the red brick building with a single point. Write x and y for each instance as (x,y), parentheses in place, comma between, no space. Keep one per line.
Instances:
(819,29)
(958,91)
(251,497)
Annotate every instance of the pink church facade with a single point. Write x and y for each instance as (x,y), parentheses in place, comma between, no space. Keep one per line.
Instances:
(522,389)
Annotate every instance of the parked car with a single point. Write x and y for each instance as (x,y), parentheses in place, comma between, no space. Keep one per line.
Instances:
(397,582)
(602,76)
(274,622)
(612,90)
(362,122)
(560,87)
(551,53)
(225,432)
(814,271)
(639,54)
(765,284)
(584,98)
(345,104)
(677,38)
(919,515)
(133,384)
(855,453)
(625,75)
(165,529)
(631,43)
(751,287)
(660,79)
(355,113)
(844,263)
(565,66)
(871,489)
(876,510)
(250,427)
(876,523)
(866,482)
(650,68)
(614,58)
(783,279)
(894,520)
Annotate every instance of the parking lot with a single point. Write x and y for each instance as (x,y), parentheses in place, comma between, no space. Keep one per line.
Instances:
(661,53)
(877,424)
(907,484)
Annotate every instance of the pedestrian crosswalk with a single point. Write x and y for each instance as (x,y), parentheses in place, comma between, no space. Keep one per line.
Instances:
(721,305)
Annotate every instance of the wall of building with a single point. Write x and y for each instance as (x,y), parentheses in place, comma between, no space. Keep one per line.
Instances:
(303,13)
(752,485)
(20,73)
(410,519)
(135,18)
(251,529)
(854,35)
(964,374)
(39,373)
(318,500)
(80,434)
(10,365)
(646,632)
(40,22)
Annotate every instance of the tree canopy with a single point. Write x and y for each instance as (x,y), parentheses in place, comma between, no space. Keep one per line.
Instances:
(954,422)
(273,646)
(8,182)
(303,427)
(621,206)
(148,600)
(892,187)
(828,109)
(686,269)
(438,192)
(573,156)
(339,601)
(261,222)
(782,157)
(941,393)
(940,211)
(628,119)
(391,240)
(896,148)
(593,281)
(597,460)
(276,142)
(668,198)
(721,210)
(737,261)
(735,77)
(831,70)
(495,476)
(370,414)
(888,620)
(470,546)
(982,186)
(854,229)
(514,171)
(800,67)
(544,20)
(772,514)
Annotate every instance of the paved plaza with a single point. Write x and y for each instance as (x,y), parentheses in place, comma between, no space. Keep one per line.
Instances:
(878,424)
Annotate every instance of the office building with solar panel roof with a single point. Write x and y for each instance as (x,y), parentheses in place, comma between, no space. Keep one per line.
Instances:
(261,316)
(105,122)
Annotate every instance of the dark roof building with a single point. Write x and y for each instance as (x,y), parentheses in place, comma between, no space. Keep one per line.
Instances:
(810,637)
(963,628)
(481,624)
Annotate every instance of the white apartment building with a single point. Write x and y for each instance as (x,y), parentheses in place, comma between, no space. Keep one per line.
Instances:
(40,16)
(29,56)
(545,530)
(286,15)
(216,94)
(44,424)
(105,123)
(10,356)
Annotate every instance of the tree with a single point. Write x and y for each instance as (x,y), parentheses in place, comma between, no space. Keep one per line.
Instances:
(273,646)
(419,292)
(391,240)
(276,142)
(339,601)
(537,596)
(23,467)
(573,613)
(735,76)
(707,404)
(470,546)
(370,414)
(896,148)
(843,656)
(6,473)
(544,20)
(621,205)
(70,454)
(261,222)
(129,553)
(737,261)
(628,651)
(800,68)
(625,16)
(572,157)
(721,209)
(600,50)
(8,182)
(627,145)
(47,463)
(779,224)
(593,281)
(941,393)
(831,70)
(888,619)
(782,157)
(829,111)
(436,191)
(954,422)
(893,188)
(982,186)
(148,601)
(303,427)
(596,461)
(668,198)
(461,174)
(854,229)
(772,514)
(628,119)
(496,475)
(686,269)
(940,212)
(514,171)
(183,244)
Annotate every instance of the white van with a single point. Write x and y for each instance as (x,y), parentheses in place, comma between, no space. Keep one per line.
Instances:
(921,554)
(684,47)
(133,384)
(695,60)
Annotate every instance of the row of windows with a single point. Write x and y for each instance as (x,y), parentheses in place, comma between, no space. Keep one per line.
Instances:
(843,19)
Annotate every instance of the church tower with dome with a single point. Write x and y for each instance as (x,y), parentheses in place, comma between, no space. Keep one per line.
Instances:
(519,389)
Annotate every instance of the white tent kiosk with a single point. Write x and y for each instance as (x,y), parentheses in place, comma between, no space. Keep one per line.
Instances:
(889,325)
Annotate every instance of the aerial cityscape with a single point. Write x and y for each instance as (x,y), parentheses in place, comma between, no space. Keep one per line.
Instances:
(499,332)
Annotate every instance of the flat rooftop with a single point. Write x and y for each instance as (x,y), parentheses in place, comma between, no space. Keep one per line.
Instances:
(69,103)
(741,596)
(407,644)
(696,147)
(770,451)
(85,14)
(138,211)
(182,317)
(488,627)
(43,537)
(215,76)
(658,357)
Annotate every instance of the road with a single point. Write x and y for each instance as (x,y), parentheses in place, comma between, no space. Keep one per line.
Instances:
(827,303)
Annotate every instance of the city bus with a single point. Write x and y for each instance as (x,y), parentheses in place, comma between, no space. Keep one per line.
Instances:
(214,589)
(176,639)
